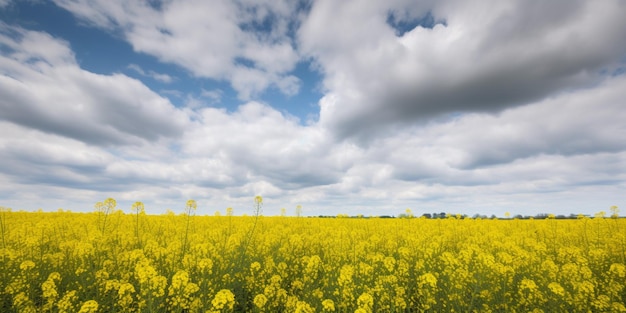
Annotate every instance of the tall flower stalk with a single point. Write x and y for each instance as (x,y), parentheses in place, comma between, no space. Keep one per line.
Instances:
(190,210)
(241,265)
(137,208)
(3,227)
(104,209)
(258,205)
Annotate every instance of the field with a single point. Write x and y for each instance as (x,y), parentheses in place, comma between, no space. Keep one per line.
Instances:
(111,261)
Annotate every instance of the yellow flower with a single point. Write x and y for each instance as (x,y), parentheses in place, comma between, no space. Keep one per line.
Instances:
(428,279)
(181,290)
(556,288)
(297,285)
(303,307)
(390,263)
(27,265)
(67,304)
(23,303)
(528,284)
(223,299)
(345,275)
(602,303)
(191,207)
(255,266)
(260,300)
(618,307)
(49,287)
(125,295)
(618,270)
(365,302)
(90,306)
(328,305)
(205,265)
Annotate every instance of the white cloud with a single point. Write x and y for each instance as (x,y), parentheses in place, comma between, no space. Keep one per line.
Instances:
(216,39)
(43,88)
(164,78)
(214,96)
(262,144)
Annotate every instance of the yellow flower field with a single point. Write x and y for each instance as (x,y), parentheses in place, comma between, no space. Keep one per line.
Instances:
(111,261)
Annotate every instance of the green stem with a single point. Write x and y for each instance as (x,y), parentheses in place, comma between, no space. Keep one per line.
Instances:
(186,237)
(2,227)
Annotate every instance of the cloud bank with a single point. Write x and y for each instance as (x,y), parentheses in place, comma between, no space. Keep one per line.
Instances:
(470,107)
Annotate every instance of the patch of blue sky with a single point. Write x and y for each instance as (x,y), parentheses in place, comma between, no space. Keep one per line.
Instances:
(620,69)
(616,70)
(93,48)
(403,25)
(266,25)
(304,104)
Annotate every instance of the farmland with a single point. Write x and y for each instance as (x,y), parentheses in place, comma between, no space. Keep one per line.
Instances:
(115,261)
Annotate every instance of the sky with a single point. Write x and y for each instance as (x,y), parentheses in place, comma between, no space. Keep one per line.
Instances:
(343,107)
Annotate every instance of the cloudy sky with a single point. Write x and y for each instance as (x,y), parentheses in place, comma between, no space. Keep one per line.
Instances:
(350,107)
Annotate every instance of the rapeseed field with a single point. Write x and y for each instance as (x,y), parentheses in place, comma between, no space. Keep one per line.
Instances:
(115,261)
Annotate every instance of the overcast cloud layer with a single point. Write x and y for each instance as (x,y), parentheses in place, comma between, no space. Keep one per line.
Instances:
(438,106)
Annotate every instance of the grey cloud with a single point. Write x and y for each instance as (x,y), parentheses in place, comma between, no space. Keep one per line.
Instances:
(35,158)
(572,140)
(584,122)
(482,60)
(133,108)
